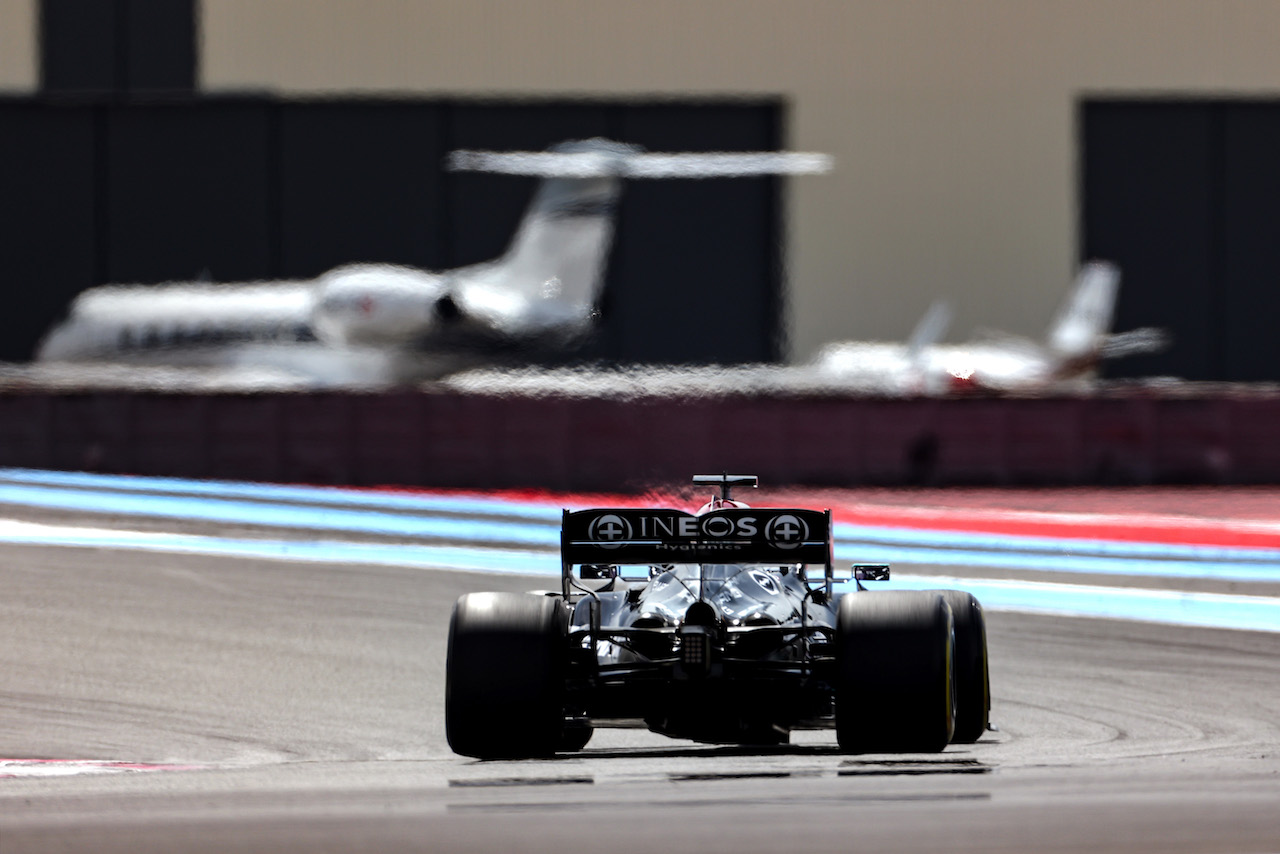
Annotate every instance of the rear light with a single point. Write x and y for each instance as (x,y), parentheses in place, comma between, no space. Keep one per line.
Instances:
(695,650)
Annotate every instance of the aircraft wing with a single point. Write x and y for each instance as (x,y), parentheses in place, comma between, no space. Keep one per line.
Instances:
(637,164)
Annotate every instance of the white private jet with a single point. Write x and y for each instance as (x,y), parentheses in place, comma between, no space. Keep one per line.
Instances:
(373,322)
(1077,340)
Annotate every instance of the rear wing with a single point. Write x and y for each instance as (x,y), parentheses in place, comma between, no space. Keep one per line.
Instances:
(737,535)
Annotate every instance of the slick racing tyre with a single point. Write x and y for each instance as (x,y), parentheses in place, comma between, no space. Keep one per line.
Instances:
(972,674)
(505,675)
(894,686)
(574,736)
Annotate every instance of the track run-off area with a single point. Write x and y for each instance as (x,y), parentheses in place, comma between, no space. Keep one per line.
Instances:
(210,666)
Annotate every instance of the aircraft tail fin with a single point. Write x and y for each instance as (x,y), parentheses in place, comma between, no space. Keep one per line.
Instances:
(552,275)
(929,331)
(1082,323)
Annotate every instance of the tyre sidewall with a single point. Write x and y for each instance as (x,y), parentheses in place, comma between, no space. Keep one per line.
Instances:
(505,675)
(895,690)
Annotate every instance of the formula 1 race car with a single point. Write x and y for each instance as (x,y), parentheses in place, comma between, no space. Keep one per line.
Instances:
(708,626)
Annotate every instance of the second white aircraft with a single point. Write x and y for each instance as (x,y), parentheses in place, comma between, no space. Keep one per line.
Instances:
(1077,340)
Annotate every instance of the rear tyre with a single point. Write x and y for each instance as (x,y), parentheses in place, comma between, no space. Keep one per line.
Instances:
(505,675)
(574,736)
(972,673)
(894,687)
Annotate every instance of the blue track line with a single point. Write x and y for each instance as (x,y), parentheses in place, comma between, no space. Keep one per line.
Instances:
(853,543)
(547,513)
(224,489)
(530,546)
(1256,613)
(1207,610)
(925,553)
(474,558)
(283,515)
(984,542)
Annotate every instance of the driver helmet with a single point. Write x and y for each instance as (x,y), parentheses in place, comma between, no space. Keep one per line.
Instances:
(719,503)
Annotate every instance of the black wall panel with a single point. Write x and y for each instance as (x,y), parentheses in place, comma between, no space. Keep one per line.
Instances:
(187,192)
(697,260)
(359,182)
(1185,196)
(47,227)
(121,46)
(1149,205)
(160,41)
(80,46)
(1250,225)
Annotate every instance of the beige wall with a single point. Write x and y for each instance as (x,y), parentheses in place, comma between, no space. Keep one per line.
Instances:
(952,120)
(18,63)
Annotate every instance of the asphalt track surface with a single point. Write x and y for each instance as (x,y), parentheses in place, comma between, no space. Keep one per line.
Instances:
(298,706)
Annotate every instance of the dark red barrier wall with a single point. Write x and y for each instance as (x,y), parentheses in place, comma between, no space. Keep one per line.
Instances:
(457,440)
